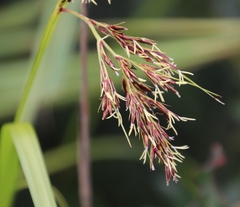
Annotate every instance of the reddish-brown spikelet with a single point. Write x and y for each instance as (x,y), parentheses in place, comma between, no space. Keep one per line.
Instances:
(144,98)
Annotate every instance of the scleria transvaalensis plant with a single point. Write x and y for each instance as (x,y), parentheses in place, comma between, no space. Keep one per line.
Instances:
(143,95)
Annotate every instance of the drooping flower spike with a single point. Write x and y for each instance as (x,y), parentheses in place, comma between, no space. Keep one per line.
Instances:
(144,101)
(145,79)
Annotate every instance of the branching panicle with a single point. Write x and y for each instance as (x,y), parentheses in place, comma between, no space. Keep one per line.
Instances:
(144,96)
(143,101)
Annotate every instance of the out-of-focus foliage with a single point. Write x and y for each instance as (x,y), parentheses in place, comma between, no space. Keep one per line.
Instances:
(208,46)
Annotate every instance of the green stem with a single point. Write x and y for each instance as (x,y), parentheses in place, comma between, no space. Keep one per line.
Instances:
(33,74)
(86,20)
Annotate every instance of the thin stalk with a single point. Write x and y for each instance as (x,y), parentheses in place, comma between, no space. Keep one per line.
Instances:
(84,169)
(33,74)
(86,20)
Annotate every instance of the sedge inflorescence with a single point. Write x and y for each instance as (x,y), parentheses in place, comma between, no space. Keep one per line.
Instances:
(147,73)
(144,98)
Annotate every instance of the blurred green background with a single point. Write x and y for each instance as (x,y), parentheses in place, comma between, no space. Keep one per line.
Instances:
(203,37)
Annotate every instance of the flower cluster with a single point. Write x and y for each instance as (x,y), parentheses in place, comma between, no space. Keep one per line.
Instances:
(147,73)
(143,96)
(143,101)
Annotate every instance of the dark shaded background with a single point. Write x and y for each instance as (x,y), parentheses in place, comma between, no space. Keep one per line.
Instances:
(119,178)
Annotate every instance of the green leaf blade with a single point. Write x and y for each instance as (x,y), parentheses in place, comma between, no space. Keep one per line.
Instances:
(31,159)
(9,168)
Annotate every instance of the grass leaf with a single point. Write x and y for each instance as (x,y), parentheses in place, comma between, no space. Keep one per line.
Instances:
(9,168)
(31,159)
